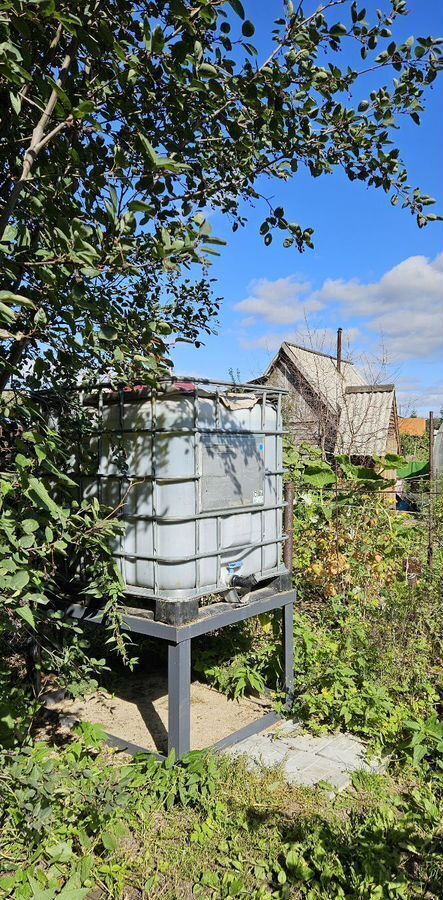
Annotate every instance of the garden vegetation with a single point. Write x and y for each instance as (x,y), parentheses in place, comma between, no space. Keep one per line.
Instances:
(123,122)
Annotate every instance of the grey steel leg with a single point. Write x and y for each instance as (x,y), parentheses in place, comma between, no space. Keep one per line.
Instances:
(288,650)
(179,698)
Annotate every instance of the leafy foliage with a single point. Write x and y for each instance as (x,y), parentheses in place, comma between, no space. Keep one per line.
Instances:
(62,810)
(367,659)
(415,448)
(46,536)
(353,673)
(238,660)
(367,631)
(73,822)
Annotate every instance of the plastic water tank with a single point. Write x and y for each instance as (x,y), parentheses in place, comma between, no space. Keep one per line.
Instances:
(196,471)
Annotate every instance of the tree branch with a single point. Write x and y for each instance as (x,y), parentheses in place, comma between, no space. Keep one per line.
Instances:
(37,140)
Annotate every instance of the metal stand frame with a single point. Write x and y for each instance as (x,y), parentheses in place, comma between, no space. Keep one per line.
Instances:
(179,637)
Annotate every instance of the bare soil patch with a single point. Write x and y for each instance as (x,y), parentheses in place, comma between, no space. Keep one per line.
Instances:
(137,711)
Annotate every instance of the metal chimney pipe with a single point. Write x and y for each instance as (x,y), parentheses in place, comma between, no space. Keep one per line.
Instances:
(339,349)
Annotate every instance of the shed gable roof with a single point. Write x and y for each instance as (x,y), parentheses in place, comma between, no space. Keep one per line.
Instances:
(366,418)
(320,371)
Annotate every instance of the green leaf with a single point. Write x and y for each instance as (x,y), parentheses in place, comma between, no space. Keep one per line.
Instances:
(140,206)
(338,29)
(16,102)
(40,318)
(248,29)
(390,461)
(16,299)
(109,840)
(61,94)
(7,314)
(83,109)
(319,475)
(39,489)
(27,541)
(27,615)
(158,40)
(30,525)
(19,580)
(237,7)
(8,882)
(68,893)
(207,69)
(364,473)
(108,333)
(148,147)
(170,760)
(61,852)
(22,461)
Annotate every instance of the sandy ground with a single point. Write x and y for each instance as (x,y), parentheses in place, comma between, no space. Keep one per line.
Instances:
(137,711)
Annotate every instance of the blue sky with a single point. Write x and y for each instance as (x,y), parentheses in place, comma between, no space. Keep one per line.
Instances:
(372,270)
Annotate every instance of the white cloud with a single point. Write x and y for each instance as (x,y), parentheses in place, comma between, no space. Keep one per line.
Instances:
(277,302)
(404,309)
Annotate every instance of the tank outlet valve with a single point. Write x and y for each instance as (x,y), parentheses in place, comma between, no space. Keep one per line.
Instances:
(243,584)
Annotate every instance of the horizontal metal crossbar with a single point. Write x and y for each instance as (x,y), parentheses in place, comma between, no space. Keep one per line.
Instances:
(226,432)
(270,718)
(210,618)
(175,561)
(265,721)
(211,514)
(176,479)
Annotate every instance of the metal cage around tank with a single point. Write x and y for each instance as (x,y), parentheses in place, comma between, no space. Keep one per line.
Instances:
(195,470)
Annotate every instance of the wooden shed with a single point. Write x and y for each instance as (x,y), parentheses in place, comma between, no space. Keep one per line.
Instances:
(331,405)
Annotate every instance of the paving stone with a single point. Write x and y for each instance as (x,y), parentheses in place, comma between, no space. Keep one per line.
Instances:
(345,750)
(259,754)
(248,746)
(300,760)
(272,756)
(285,729)
(307,759)
(316,772)
(310,743)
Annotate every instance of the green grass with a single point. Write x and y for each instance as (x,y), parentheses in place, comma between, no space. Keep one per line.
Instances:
(77,822)
(80,822)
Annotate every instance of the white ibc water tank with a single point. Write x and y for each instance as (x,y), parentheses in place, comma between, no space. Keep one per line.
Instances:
(197,469)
